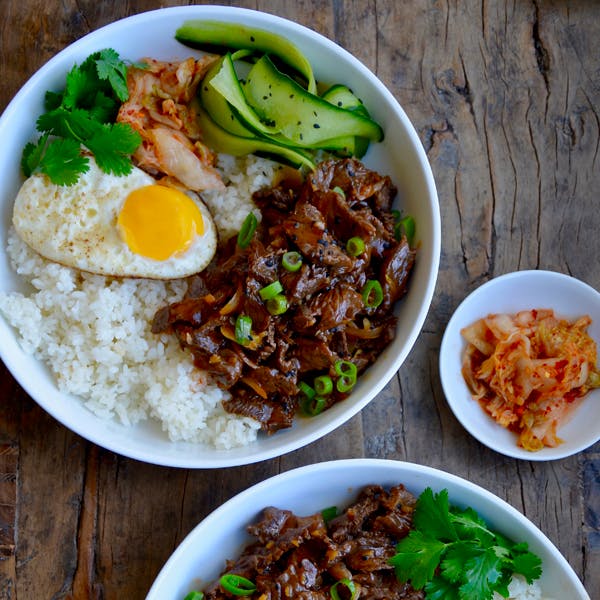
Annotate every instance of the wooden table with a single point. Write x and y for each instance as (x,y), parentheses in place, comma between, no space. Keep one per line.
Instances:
(505,97)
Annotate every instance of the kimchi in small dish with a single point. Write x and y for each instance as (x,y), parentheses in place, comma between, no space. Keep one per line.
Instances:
(519,364)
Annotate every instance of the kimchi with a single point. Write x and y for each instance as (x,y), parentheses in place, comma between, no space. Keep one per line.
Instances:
(529,371)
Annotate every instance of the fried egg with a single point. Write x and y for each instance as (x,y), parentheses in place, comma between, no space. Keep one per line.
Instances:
(124,226)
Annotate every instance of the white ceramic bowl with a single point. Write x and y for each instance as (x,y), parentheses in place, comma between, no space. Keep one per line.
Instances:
(400,155)
(201,556)
(511,293)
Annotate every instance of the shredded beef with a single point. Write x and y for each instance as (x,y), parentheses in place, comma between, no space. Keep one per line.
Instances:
(303,557)
(326,320)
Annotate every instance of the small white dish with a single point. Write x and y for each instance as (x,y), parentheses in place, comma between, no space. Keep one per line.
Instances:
(511,293)
(200,558)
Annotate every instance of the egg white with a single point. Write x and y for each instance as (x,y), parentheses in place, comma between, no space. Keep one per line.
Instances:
(77,226)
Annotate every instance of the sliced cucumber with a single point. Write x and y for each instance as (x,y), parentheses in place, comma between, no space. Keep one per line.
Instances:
(303,118)
(343,97)
(219,37)
(221,140)
(220,111)
(222,79)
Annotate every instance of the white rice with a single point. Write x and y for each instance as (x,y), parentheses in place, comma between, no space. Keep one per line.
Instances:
(243,176)
(519,589)
(94,333)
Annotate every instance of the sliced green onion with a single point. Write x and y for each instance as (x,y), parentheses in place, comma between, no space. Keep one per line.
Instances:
(277,305)
(397,215)
(339,191)
(323,385)
(348,584)
(271,290)
(243,328)
(194,596)
(247,231)
(329,513)
(306,390)
(355,246)
(291,261)
(405,226)
(372,294)
(311,407)
(237,585)
(347,373)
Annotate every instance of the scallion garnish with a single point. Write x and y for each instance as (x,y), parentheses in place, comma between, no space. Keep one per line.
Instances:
(271,290)
(338,190)
(291,261)
(405,226)
(329,513)
(194,596)
(243,329)
(313,406)
(372,294)
(355,246)
(237,585)
(348,585)
(277,305)
(247,231)
(306,390)
(347,373)
(323,385)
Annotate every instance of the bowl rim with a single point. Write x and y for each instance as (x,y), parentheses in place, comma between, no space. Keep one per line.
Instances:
(419,471)
(514,451)
(226,458)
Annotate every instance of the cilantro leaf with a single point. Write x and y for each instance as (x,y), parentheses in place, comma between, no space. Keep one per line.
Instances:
(453,566)
(83,114)
(440,589)
(432,515)
(52,100)
(80,89)
(112,145)
(76,124)
(104,108)
(113,69)
(529,565)
(453,555)
(417,556)
(63,161)
(481,572)
(470,525)
(32,155)
(502,584)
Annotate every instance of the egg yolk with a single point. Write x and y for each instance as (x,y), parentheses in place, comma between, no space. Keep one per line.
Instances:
(158,222)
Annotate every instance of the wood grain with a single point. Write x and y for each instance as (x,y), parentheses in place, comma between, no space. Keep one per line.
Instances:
(505,98)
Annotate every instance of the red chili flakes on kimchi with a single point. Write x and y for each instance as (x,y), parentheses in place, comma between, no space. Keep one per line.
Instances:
(530,370)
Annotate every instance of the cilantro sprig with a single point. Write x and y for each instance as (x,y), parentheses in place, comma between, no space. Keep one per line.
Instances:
(453,555)
(83,115)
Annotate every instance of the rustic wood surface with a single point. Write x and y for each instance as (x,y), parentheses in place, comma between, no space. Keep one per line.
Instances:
(505,98)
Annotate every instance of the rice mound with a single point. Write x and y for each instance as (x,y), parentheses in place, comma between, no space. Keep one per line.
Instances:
(93,332)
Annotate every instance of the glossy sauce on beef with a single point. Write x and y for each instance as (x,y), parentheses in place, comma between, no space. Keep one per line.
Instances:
(302,557)
(326,321)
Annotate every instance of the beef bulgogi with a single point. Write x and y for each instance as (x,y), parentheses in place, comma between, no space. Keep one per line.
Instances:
(303,557)
(309,294)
